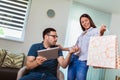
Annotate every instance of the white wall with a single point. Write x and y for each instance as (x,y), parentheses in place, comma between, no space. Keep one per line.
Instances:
(115,26)
(38,21)
(114,30)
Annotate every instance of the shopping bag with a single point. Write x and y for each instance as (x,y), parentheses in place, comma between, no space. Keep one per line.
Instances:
(103,52)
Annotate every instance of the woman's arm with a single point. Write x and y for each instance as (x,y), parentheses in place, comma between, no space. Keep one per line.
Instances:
(102,30)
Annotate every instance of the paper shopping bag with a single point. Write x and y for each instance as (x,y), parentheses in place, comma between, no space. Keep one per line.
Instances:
(103,52)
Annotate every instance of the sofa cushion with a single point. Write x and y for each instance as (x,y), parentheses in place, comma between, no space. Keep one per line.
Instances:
(2,55)
(13,60)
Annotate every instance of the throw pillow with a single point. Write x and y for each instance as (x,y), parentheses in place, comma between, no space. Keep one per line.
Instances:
(13,60)
(2,55)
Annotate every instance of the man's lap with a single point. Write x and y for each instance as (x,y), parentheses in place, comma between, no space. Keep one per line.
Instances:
(38,76)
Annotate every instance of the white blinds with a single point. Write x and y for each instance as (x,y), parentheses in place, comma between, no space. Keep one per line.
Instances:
(13,15)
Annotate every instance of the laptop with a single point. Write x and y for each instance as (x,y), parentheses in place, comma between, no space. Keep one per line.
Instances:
(51,53)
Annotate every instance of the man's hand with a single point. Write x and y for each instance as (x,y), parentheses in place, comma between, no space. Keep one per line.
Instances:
(40,60)
(74,49)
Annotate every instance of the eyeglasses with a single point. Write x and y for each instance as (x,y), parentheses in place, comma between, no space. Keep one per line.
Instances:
(55,36)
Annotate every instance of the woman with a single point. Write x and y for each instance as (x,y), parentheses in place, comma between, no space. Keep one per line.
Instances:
(78,67)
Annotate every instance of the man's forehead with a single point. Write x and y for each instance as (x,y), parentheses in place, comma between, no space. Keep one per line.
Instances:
(53,32)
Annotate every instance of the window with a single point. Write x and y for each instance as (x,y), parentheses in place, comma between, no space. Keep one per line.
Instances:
(13,18)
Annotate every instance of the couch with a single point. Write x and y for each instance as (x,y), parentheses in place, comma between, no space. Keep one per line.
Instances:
(10,63)
(12,66)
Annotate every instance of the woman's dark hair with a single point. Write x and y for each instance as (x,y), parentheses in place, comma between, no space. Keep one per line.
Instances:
(47,31)
(91,21)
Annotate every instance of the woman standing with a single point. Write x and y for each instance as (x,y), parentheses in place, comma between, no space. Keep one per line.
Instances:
(78,67)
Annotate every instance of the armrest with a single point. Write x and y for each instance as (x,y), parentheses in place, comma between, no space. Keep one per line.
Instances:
(117,77)
(21,72)
(60,75)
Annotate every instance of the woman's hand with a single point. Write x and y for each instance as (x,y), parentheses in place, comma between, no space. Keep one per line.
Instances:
(74,49)
(102,30)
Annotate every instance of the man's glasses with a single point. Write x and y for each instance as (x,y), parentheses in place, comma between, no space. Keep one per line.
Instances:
(55,36)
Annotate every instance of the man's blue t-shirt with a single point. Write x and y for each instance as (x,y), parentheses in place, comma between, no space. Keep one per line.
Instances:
(49,66)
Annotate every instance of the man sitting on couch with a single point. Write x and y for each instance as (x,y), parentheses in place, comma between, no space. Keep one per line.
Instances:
(40,67)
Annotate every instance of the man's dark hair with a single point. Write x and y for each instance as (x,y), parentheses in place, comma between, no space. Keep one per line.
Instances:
(47,31)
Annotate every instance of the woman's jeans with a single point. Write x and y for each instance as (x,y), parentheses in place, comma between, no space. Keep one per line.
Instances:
(77,69)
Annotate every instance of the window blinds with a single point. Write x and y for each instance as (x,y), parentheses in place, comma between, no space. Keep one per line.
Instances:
(13,17)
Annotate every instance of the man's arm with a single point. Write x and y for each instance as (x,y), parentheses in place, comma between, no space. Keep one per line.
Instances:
(64,62)
(63,49)
(33,62)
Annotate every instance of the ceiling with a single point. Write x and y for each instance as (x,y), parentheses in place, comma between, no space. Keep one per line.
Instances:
(111,6)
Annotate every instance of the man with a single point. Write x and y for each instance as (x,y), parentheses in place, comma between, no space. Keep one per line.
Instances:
(40,67)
